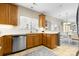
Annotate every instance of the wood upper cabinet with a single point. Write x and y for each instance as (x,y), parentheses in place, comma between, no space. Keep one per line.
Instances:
(8,14)
(42,21)
(13,14)
(6,44)
(4,13)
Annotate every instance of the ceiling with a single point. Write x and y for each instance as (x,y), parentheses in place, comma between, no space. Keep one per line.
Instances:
(65,11)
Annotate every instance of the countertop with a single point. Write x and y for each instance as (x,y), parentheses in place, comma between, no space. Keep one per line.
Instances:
(15,34)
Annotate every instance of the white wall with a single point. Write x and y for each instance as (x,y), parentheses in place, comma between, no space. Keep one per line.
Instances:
(54,24)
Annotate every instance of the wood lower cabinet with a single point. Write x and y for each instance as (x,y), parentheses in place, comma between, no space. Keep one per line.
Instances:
(6,44)
(53,41)
(40,39)
(48,40)
(29,41)
(33,40)
(44,39)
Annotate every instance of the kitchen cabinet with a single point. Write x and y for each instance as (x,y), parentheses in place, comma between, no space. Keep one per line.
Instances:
(40,39)
(44,39)
(42,21)
(1,52)
(48,40)
(29,41)
(37,39)
(33,40)
(8,14)
(53,41)
(6,44)
(13,14)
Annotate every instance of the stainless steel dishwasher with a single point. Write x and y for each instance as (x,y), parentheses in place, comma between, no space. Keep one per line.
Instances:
(19,42)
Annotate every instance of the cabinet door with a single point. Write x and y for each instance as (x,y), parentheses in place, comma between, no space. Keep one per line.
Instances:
(4,13)
(1,50)
(48,40)
(29,41)
(36,39)
(44,39)
(8,14)
(7,45)
(41,20)
(40,39)
(53,41)
(13,14)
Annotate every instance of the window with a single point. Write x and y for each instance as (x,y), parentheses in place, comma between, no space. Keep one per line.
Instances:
(66,27)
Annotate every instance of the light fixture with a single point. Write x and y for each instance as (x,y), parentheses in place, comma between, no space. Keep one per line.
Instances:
(33,5)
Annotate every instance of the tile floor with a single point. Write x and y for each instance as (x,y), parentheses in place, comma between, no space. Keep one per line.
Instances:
(63,50)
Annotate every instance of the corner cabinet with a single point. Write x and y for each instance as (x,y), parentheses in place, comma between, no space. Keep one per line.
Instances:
(8,14)
(49,40)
